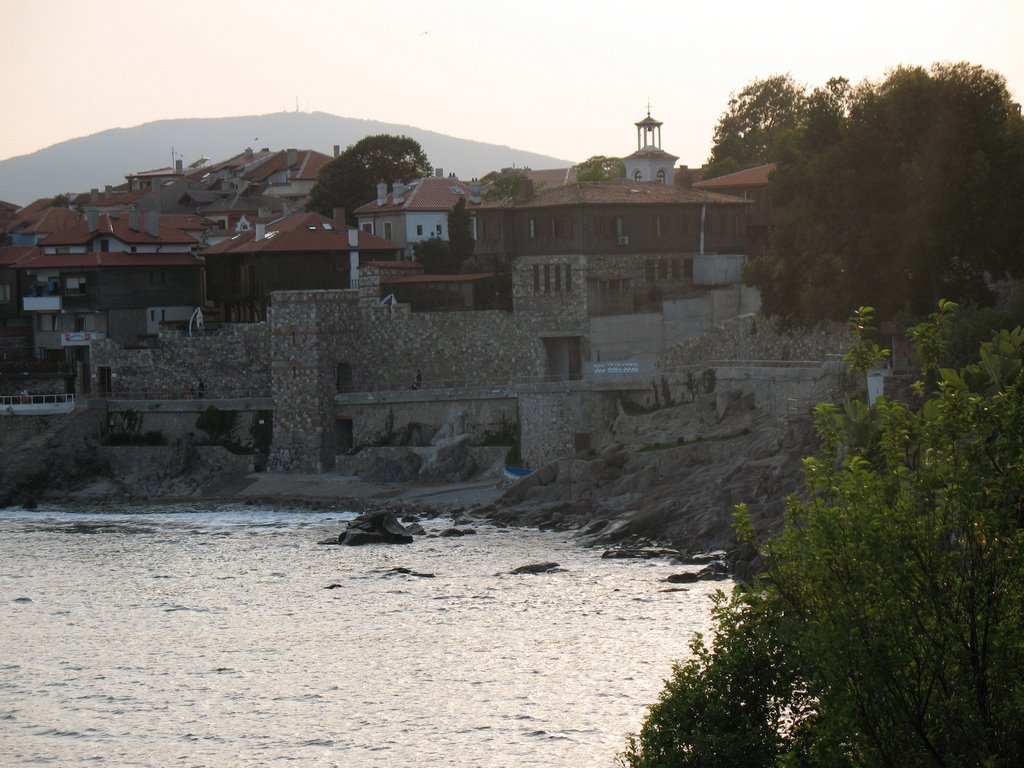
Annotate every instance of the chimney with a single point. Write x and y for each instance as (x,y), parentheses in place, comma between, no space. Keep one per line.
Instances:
(179,167)
(261,230)
(439,173)
(263,213)
(107,191)
(133,219)
(94,195)
(93,218)
(474,191)
(153,223)
(293,156)
(337,149)
(382,193)
(398,193)
(339,218)
(353,238)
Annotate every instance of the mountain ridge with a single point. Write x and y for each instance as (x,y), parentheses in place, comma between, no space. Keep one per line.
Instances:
(105,157)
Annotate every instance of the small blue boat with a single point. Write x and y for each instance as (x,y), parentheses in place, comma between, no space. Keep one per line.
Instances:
(515,473)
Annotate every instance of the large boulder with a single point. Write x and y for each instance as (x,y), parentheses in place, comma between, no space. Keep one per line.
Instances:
(380,527)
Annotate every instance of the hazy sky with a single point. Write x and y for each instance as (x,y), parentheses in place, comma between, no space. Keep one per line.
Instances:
(564,78)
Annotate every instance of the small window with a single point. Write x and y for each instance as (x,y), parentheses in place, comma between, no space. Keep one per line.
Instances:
(620,227)
(547,278)
(661,176)
(558,279)
(568,277)
(104,245)
(657,226)
(387,230)
(419,230)
(532,229)
(638,175)
(536,278)
(368,227)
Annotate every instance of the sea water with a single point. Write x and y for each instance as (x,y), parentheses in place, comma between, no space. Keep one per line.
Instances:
(183,636)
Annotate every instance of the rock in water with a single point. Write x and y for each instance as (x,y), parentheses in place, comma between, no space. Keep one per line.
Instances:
(379,527)
(535,568)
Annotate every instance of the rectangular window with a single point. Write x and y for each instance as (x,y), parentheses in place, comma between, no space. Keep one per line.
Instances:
(536,278)
(419,230)
(558,278)
(387,230)
(657,226)
(532,229)
(368,227)
(547,278)
(620,227)
(568,276)
(438,231)
(5,293)
(104,245)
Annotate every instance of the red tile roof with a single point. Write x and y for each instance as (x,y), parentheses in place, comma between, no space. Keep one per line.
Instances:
(552,177)
(117,227)
(617,192)
(407,265)
(405,279)
(12,254)
(301,233)
(53,220)
(751,177)
(432,193)
(306,167)
(42,260)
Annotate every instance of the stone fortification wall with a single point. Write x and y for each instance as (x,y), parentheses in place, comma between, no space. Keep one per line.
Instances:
(178,419)
(308,331)
(474,414)
(235,361)
(450,348)
(753,338)
(560,421)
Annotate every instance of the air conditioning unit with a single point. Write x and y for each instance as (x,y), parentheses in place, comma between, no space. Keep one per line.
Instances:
(623,239)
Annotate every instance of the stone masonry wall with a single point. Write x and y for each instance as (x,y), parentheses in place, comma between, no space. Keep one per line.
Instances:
(236,361)
(308,328)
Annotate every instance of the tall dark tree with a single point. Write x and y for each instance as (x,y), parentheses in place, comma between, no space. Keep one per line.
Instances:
(896,194)
(758,118)
(350,180)
(460,234)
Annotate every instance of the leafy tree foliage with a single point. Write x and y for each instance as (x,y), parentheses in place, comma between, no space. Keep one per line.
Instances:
(436,257)
(756,120)
(63,200)
(460,234)
(601,168)
(897,193)
(509,182)
(890,629)
(350,180)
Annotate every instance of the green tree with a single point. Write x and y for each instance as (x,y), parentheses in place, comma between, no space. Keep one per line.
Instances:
(896,193)
(350,180)
(757,118)
(601,168)
(893,611)
(460,234)
(436,257)
(63,200)
(508,182)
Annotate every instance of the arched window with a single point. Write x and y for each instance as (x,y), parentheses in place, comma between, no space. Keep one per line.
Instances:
(661,176)
(638,175)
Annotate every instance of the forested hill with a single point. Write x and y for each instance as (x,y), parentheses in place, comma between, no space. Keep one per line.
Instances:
(104,158)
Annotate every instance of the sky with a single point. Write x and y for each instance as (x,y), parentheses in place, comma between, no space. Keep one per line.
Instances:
(566,78)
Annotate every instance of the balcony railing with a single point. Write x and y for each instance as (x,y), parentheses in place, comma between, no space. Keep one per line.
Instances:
(26,404)
(41,303)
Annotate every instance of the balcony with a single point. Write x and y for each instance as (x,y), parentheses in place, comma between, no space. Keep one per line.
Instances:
(41,303)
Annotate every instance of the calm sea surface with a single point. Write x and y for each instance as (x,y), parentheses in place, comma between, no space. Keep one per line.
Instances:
(209,637)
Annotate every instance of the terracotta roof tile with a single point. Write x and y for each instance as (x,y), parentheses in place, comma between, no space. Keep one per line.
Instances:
(53,220)
(751,177)
(431,193)
(117,227)
(12,254)
(42,260)
(303,232)
(617,192)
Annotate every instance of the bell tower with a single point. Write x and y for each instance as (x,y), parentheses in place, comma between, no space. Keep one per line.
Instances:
(650,163)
